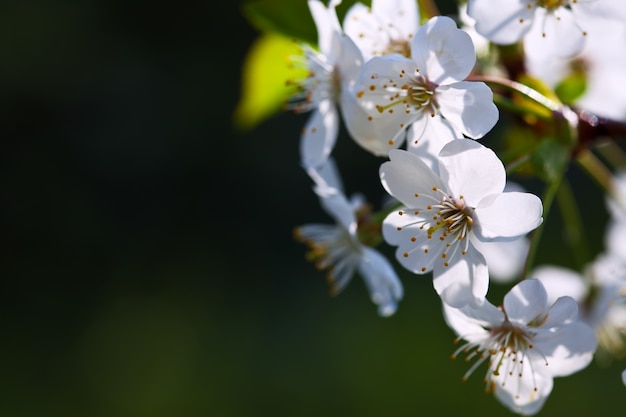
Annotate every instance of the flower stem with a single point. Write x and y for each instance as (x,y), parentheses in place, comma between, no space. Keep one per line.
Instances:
(613,153)
(548,199)
(596,169)
(520,88)
(574,228)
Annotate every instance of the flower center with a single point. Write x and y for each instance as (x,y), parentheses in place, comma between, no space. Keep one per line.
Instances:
(317,80)
(454,217)
(399,46)
(507,347)
(416,94)
(552,5)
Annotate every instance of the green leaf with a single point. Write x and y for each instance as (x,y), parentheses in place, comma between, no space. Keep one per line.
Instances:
(572,87)
(265,86)
(550,159)
(289,18)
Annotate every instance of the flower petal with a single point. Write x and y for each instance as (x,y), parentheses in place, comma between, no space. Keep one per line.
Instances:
(428,135)
(400,16)
(472,324)
(326,23)
(559,281)
(375,136)
(384,286)
(443,52)
(407,178)
(524,395)
(319,135)
(526,302)
(510,216)
(563,311)
(469,106)
(471,170)
(554,34)
(464,282)
(504,259)
(505,24)
(567,349)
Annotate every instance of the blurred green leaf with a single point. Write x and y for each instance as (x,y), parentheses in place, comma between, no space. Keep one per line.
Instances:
(550,159)
(289,18)
(265,74)
(572,87)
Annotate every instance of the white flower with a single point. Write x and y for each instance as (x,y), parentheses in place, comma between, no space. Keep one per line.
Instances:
(337,249)
(527,342)
(601,294)
(387,27)
(547,27)
(426,92)
(447,209)
(333,69)
(600,62)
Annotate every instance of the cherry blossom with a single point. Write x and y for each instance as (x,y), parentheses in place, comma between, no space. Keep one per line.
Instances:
(332,69)
(527,342)
(547,27)
(337,249)
(385,28)
(447,209)
(426,93)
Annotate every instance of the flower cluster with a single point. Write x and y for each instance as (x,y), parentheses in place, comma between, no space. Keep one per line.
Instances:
(423,93)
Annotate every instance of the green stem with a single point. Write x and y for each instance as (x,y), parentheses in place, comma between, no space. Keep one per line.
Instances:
(612,153)
(508,104)
(596,169)
(574,228)
(548,199)
(520,88)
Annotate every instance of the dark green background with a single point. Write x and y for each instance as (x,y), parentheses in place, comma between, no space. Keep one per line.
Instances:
(148,266)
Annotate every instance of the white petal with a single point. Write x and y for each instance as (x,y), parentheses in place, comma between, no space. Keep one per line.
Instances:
(505,260)
(443,52)
(559,281)
(554,34)
(505,24)
(326,23)
(526,301)
(373,135)
(563,311)
(339,208)
(320,135)
(472,324)
(524,395)
(510,216)
(384,286)
(415,251)
(407,178)
(402,15)
(349,61)
(471,170)
(463,282)
(567,349)
(469,106)
(428,135)
(326,175)
(624,377)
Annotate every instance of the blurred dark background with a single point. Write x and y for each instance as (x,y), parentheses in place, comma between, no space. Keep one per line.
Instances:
(148,267)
